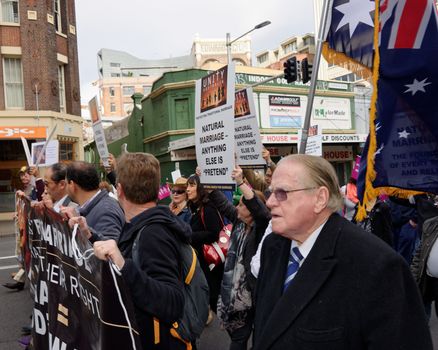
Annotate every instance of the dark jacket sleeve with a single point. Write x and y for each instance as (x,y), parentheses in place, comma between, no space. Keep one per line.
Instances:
(212,226)
(225,207)
(110,219)
(111,177)
(403,304)
(154,281)
(260,214)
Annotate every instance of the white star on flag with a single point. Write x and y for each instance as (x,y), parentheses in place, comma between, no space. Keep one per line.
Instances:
(417,86)
(404,134)
(355,12)
(378,126)
(379,150)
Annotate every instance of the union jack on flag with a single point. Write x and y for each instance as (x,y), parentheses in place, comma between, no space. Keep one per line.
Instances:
(401,154)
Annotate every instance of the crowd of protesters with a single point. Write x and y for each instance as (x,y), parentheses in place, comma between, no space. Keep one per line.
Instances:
(299,271)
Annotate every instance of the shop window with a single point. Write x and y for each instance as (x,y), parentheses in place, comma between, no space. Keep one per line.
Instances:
(66,151)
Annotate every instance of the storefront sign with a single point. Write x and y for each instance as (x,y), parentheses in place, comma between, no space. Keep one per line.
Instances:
(337,153)
(279,138)
(183,154)
(182,143)
(344,138)
(28,132)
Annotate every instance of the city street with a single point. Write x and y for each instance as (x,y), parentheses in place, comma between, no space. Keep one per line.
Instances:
(16,308)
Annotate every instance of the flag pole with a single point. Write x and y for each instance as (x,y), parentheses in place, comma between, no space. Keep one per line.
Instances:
(314,78)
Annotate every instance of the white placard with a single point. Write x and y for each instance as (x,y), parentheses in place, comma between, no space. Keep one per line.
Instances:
(27,151)
(314,141)
(48,156)
(175,175)
(99,135)
(214,127)
(247,133)
(99,138)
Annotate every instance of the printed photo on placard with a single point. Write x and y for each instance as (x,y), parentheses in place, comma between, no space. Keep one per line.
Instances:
(241,105)
(214,90)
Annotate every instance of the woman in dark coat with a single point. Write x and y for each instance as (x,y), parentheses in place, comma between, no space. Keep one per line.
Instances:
(235,308)
(206,224)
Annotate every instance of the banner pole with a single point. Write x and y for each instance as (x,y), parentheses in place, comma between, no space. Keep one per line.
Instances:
(313,79)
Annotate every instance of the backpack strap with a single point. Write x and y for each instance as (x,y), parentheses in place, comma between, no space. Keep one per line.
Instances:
(191,271)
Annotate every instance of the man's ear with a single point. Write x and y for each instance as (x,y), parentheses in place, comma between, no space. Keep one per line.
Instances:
(119,189)
(322,199)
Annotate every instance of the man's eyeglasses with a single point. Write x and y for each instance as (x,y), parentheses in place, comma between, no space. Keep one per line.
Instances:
(281,195)
(178,191)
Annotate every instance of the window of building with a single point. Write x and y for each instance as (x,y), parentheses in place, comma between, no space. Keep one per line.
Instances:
(115,75)
(263,58)
(127,108)
(61,84)
(13,80)
(291,47)
(310,40)
(113,107)
(114,64)
(9,10)
(66,150)
(146,90)
(128,90)
(57,15)
(112,91)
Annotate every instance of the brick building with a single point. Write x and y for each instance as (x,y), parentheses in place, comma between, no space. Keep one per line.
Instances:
(39,85)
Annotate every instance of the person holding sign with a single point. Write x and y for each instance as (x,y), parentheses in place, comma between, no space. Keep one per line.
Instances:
(147,252)
(235,307)
(206,224)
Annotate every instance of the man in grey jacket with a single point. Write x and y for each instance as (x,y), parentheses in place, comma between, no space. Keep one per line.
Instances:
(102,212)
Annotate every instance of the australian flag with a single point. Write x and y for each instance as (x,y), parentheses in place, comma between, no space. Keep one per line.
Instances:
(401,154)
(349,35)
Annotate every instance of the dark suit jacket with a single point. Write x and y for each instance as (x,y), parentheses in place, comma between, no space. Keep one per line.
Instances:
(352,292)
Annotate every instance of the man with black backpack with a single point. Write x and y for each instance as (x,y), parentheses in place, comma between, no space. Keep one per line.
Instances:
(169,292)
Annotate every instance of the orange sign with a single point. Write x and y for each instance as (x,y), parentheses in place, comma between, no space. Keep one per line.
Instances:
(28,132)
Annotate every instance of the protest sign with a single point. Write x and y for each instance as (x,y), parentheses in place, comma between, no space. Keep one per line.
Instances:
(314,141)
(214,127)
(47,156)
(247,134)
(99,135)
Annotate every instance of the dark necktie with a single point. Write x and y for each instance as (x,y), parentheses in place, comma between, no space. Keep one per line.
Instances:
(294,263)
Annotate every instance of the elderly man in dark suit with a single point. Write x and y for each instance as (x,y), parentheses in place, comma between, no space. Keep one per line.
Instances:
(324,283)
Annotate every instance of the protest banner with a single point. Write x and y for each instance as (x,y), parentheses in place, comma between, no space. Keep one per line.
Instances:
(247,133)
(77,305)
(214,127)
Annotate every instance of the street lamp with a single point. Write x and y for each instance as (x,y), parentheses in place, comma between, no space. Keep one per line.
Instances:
(229,42)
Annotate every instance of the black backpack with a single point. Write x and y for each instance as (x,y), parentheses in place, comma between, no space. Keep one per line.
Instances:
(196,295)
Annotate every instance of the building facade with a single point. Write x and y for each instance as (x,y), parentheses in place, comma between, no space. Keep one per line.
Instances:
(39,85)
(122,74)
(164,122)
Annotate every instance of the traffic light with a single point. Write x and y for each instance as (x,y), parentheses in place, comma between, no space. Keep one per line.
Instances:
(306,70)
(290,70)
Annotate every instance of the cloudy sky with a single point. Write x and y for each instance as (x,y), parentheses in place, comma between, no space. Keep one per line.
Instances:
(160,29)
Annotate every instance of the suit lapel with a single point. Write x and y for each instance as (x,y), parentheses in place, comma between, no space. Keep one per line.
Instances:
(310,277)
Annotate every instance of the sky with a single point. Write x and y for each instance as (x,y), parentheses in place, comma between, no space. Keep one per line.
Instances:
(161,29)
